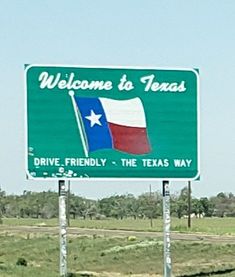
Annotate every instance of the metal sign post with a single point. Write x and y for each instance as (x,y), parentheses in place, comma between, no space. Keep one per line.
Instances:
(63,230)
(105,119)
(166,224)
(189,204)
(68,205)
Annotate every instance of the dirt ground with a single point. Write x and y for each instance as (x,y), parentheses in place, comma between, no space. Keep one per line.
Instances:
(85,231)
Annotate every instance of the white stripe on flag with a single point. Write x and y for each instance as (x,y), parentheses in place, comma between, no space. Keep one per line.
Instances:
(124,112)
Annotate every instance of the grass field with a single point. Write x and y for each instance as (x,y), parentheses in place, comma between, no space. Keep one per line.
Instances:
(101,254)
(116,254)
(217,226)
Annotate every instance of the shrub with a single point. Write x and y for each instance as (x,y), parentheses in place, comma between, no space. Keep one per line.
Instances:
(21,261)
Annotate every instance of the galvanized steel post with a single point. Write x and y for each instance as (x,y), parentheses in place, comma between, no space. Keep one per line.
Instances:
(63,228)
(166,224)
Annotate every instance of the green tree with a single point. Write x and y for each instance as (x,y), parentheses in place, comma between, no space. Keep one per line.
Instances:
(207,206)
(150,206)
(180,203)
(2,204)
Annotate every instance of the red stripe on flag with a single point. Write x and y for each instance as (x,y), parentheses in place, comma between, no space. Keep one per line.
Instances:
(132,140)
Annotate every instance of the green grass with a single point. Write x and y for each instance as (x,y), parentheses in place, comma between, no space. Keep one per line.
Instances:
(40,254)
(111,254)
(93,254)
(217,226)
(29,221)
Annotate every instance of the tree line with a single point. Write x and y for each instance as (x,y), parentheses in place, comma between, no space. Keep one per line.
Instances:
(147,205)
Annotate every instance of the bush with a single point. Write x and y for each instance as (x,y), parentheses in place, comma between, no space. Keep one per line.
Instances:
(21,261)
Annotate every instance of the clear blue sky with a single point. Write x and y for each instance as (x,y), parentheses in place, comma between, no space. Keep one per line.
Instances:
(195,34)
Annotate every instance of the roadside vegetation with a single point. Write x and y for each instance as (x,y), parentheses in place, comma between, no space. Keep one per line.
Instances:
(37,254)
(146,206)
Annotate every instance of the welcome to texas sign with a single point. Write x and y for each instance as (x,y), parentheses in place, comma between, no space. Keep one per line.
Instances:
(111,122)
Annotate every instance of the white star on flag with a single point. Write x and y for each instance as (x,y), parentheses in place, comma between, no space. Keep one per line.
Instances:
(94,118)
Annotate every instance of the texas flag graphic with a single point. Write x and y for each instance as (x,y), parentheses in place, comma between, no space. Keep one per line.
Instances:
(113,124)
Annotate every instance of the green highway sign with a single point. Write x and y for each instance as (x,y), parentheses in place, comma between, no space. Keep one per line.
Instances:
(111,122)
